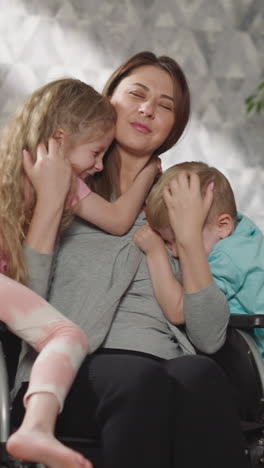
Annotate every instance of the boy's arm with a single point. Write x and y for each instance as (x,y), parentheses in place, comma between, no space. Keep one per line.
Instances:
(206,309)
(118,216)
(167,289)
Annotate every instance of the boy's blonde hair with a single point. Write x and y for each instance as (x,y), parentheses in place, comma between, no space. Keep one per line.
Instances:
(223,201)
(69,104)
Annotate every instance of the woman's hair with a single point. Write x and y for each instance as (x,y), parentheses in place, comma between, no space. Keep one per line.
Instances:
(107,183)
(69,104)
(223,201)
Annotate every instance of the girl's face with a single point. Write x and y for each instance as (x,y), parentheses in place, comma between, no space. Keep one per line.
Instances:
(86,155)
(145,105)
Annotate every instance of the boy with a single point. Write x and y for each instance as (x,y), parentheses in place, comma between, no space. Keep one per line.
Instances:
(233,244)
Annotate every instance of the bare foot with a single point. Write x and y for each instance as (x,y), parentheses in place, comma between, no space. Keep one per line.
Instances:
(37,446)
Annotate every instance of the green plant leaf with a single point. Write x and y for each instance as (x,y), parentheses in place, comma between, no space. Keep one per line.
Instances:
(259,106)
(255,102)
(250,107)
(249,99)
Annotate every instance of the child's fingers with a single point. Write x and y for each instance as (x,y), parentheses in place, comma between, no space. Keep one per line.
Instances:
(27,162)
(159,164)
(54,149)
(145,238)
(209,196)
(194,182)
(183,180)
(166,196)
(137,238)
(41,152)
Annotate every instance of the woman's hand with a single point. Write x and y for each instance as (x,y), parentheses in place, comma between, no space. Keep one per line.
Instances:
(188,210)
(50,174)
(147,240)
(187,207)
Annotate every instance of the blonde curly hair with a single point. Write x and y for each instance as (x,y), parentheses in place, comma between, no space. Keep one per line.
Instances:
(69,104)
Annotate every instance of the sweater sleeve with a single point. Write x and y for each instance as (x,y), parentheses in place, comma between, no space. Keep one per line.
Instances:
(39,270)
(207,317)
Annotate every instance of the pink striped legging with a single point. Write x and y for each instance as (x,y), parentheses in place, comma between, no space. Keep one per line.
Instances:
(61,345)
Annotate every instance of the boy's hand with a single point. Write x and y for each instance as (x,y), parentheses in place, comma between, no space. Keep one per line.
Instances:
(186,207)
(50,174)
(147,240)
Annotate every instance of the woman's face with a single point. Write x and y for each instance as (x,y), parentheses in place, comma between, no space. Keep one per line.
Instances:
(145,105)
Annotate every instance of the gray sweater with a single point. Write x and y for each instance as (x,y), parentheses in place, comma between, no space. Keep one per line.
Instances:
(102,283)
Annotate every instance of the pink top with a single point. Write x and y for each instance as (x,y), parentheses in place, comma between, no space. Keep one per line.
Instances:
(82,190)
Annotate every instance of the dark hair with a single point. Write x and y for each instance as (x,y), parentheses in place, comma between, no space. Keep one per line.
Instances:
(182,108)
(107,183)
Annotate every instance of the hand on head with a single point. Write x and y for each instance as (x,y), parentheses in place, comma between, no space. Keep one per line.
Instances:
(187,207)
(51,173)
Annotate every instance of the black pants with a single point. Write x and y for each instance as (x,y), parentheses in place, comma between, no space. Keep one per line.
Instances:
(152,413)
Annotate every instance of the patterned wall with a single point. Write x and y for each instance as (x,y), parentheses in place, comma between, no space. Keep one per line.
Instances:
(219,43)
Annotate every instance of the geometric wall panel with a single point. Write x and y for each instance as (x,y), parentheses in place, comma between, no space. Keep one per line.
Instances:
(220,45)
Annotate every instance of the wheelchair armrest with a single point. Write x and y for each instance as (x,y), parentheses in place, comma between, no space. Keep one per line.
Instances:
(246,322)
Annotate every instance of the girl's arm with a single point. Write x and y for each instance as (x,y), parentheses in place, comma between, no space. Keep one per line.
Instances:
(50,176)
(167,289)
(117,217)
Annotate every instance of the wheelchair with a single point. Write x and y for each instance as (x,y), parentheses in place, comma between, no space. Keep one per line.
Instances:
(239,358)
(243,364)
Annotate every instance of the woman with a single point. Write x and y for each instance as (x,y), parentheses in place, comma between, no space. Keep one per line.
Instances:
(143,392)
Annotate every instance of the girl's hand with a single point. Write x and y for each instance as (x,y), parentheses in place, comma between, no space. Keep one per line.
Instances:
(153,166)
(147,240)
(186,207)
(155,162)
(50,174)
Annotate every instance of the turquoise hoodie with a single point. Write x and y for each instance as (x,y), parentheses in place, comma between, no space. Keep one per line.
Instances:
(237,266)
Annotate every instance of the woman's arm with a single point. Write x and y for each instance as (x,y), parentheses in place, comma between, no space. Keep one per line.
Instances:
(206,309)
(43,228)
(50,176)
(117,217)
(39,266)
(167,289)
(187,211)
(206,317)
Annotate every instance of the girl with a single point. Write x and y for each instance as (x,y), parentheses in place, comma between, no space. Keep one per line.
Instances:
(75,125)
